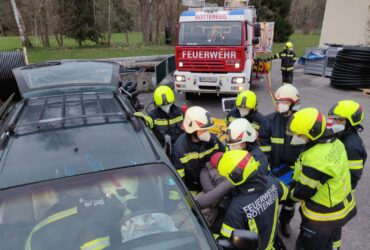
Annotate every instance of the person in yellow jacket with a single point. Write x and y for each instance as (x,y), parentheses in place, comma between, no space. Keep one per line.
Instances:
(323,182)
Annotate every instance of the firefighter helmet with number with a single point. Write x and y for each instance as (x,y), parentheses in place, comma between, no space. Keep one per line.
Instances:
(240,130)
(309,122)
(246,99)
(289,45)
(196,118)
(348,109)
(163,95)
(237,166)
(287,92)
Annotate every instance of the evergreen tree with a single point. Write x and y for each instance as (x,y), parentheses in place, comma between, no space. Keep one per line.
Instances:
(82,23)
(276,11)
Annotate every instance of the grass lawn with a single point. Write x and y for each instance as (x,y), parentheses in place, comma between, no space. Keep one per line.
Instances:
(120,48)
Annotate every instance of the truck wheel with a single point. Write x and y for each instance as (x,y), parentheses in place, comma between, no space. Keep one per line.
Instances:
(8,85)
(189,96)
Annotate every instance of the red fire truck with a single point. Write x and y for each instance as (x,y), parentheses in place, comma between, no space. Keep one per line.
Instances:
(216,47)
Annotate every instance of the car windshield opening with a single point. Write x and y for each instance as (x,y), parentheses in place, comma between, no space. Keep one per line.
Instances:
(211,33)
(78,72)
(131,208)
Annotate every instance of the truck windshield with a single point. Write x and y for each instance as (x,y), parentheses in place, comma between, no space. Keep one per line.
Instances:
(141,207)
(210,33)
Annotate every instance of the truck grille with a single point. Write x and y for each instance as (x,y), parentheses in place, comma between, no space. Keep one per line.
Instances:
(204,65)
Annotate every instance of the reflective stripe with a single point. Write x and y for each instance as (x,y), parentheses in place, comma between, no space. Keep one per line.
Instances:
(216,236)
(308,181)
(272,236)
(292,196)
(265,148)
(283,55)
(337,244)
(48,220)
(256,126)
(356,164)
(287,69)
(287,208)
(181,172)
(195,155)
(252,225)
(290,55)
(176,120)
(97,244)
(328,216)
(285,191)
(226,230)
(159,122)
(277,140)
(209,151)
(174,195)
(162,122)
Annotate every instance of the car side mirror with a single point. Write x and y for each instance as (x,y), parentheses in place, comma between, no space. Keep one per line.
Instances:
(240,240)
(255,40)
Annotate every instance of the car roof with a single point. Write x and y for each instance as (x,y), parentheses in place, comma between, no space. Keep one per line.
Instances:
(58,136)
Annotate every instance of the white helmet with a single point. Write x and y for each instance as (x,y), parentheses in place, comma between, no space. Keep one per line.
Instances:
(239,131)
(287,92)
(196,118)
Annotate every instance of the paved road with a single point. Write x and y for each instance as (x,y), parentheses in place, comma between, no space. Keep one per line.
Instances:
(315,92)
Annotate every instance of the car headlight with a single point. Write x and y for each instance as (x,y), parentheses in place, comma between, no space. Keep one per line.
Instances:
(181,64)
(238,80)
(237,65)
(180,78)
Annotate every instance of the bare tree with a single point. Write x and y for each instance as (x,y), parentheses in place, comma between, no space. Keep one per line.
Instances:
(21,27)
(145,7)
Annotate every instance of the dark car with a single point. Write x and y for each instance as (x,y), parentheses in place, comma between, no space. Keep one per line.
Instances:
(79,171)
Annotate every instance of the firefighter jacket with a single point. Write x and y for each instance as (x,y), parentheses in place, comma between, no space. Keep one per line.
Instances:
(288,58)
(189,158)
(323,183)
(254,207)
(356,153)
(162,123)
(254,117)
(258,155)
(275,142)
(76,227)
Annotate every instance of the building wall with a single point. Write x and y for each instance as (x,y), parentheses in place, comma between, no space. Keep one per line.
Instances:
(345,22)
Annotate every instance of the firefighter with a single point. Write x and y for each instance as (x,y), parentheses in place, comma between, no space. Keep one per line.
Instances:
(347,116)
(194,148)
(85,224)
(279,147)
(288,58)
(323,181)
(246,107)
(255,203)
(166,119)
(240,135)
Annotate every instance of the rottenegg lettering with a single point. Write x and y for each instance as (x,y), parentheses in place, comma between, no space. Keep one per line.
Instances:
(186,54)
(262,203)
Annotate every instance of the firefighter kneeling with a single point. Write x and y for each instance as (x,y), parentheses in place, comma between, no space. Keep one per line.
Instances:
(323,182)
(255,201)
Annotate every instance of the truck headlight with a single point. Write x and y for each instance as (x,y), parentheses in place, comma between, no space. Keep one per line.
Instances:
(238,80)
(180,78)
(237,65)
(181,64)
